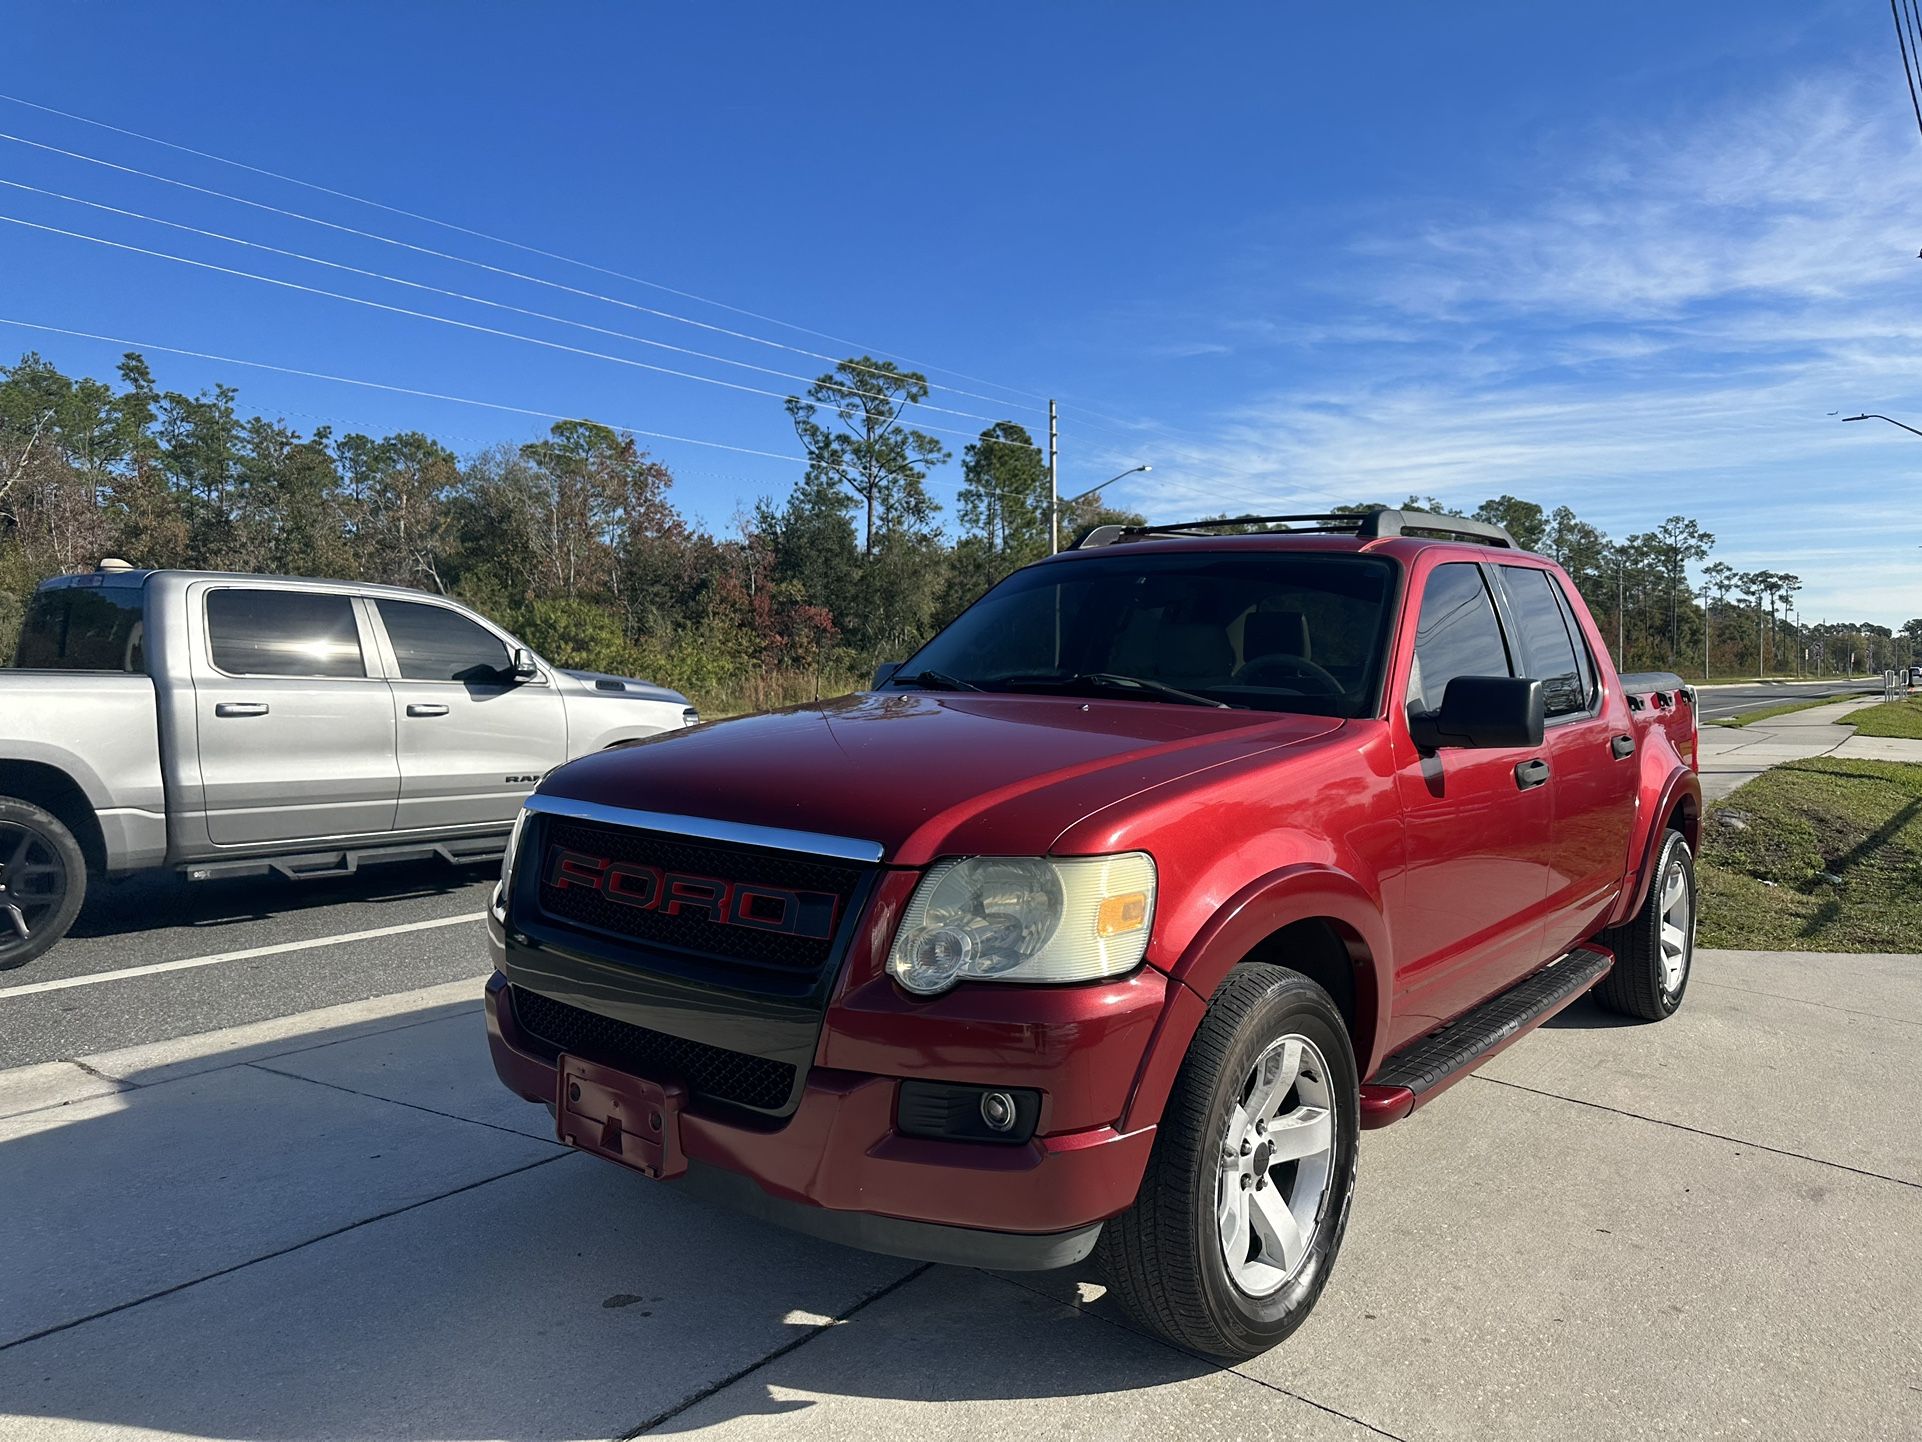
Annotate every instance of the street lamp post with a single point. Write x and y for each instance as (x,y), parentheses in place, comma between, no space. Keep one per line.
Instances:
(1056,506)
(1872,416)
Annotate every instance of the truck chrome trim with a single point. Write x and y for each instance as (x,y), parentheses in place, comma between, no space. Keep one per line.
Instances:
(703,828)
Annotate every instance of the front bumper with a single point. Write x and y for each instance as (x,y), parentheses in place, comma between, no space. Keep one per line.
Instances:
(836,1167)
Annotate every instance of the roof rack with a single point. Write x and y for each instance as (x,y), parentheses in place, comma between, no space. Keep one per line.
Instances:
(1367,525)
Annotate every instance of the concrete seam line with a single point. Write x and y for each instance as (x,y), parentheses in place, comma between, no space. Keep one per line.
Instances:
(779,1352)
(250,953)
(412,1106)
(1804,1001)
(1122,1325)
(270,1256)
(1701,1132)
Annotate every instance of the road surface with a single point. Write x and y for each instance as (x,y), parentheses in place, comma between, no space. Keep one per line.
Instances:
(1723,701)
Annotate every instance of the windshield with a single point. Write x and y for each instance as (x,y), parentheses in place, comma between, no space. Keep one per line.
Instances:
(1271,630)
(82,628)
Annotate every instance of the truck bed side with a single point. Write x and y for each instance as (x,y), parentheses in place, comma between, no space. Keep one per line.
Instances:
(100,731)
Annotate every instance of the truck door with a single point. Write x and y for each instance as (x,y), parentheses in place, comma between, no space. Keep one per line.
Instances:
(295,737)
(473,739)
(1475,885)
(1592,780)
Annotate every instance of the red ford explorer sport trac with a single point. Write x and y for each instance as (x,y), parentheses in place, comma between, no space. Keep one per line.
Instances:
(1105,922)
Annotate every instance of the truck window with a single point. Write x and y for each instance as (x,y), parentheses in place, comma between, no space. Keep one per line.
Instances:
(1457,634)
(433,643)
(1548,651)
(283,633)
(83,628)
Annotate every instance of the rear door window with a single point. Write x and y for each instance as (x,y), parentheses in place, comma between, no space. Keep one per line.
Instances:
(83,628)
(1457,635)
(1548,651)
(433,643)
(283,633)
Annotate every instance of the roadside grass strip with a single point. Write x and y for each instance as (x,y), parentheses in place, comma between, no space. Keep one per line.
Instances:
(1891,718)
(1780,708)
(1823,854)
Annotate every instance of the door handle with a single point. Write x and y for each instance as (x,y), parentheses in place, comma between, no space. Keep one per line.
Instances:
(426,708)
(240,708)
(1531,773)
(1622,746)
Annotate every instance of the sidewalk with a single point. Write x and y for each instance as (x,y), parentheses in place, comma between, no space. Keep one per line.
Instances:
(339,1225)
(1732,755)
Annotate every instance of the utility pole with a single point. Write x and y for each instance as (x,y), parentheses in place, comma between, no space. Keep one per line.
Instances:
(1054,492)
(1621,609)
(1705,630)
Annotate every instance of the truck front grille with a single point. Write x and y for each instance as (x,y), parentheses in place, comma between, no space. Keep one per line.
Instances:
(771,911)
(711,1073)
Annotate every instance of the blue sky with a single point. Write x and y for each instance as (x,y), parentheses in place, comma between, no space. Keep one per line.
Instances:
(1626,258)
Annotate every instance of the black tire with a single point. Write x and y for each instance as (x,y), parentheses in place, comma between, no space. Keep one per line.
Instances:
(43,881)
(1640,984)
(1164,1257)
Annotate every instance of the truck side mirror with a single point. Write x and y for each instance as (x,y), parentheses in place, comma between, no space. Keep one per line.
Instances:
(1483,711)
(525,667)
(884,673)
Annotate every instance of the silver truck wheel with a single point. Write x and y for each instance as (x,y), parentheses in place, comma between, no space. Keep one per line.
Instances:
(1655,948)
(1277,1154)
(43,880)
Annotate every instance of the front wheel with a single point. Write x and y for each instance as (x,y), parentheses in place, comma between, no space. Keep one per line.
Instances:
(43,880)
(1655,949)
(1246,1197)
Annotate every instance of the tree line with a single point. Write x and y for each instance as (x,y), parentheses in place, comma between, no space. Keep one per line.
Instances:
(572,540)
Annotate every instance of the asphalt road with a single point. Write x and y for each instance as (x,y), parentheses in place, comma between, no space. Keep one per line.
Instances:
(160,919)
(1722,701)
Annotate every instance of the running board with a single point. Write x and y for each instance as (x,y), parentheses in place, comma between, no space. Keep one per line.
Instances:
(316,865)
(1434,1062)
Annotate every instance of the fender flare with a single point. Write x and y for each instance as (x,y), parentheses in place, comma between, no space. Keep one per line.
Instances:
(1250,916)
(1683,787)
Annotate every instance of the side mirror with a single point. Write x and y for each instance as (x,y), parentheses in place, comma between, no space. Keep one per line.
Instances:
(524,667)
(884,673)
(1483,711)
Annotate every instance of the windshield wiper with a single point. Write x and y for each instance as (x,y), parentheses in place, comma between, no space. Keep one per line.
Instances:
(934,681)
(1112,681)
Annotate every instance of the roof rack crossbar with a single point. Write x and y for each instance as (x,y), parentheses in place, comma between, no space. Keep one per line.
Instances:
(1368,525)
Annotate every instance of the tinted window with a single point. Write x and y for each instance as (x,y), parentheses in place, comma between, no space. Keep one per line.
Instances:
(283,633)
(1276,631)
(1457,635)
(433,643)
(83,628)
(1584,661)
(1548,654)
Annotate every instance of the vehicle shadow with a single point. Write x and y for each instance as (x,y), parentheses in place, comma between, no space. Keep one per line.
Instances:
(158,901)
(1586,1014)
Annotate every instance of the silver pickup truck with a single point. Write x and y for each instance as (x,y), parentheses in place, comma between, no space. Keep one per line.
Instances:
(227,725)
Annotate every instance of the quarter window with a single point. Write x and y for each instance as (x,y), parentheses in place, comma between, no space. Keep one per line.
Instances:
(1457,635)
(433,643)
(1548,651)
(283,633)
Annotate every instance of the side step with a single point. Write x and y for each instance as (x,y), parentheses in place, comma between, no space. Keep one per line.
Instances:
(1430,1063)
(314,865)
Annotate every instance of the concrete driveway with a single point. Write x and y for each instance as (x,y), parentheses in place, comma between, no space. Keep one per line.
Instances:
(337,1225)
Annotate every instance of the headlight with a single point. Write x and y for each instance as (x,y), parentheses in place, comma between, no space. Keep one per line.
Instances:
(507,866)
(1025,919)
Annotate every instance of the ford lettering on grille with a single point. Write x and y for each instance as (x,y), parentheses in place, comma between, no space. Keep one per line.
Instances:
(676,893)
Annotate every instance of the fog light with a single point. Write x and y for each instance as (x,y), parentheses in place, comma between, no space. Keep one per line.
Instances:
(998,1111)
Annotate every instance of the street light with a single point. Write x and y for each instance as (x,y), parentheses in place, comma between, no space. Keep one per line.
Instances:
(1057,506)
(1871,416)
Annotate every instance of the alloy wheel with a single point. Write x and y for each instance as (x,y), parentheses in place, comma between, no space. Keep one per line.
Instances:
(1277,1158)
(33,884)
(1678,926)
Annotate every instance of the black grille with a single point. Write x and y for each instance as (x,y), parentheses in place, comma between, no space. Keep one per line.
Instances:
(711,1072)
(692,930)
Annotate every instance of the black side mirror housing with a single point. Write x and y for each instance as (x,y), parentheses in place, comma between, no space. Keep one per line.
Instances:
(1483,712)
(884,673)
(525,667)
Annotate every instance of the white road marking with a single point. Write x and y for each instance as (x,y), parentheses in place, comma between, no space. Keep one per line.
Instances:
(248,954)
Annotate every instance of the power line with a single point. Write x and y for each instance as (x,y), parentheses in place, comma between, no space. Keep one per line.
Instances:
(465,260)
(449,321)
(1908,65)
(463,296)
(394,389)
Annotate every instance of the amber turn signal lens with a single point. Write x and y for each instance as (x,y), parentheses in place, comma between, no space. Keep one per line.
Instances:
(1121,914)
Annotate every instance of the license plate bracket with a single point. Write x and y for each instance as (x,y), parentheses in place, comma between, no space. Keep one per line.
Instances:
(627,1119)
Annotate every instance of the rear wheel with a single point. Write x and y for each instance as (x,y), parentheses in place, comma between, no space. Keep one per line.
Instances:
(1242,1210)
(1656,948)
(43,880)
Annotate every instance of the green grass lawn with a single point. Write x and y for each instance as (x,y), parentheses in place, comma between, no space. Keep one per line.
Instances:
(1891,718)
(1770,849)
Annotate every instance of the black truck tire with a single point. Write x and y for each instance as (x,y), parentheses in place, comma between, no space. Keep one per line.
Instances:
(43,881)
(1655,948)
(1168,1257)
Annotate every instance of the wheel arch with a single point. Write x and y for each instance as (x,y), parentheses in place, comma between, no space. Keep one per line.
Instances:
(53,790)
(1678,808)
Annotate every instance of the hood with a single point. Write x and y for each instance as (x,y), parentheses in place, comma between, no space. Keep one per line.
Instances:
(927,774)
(599,683)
